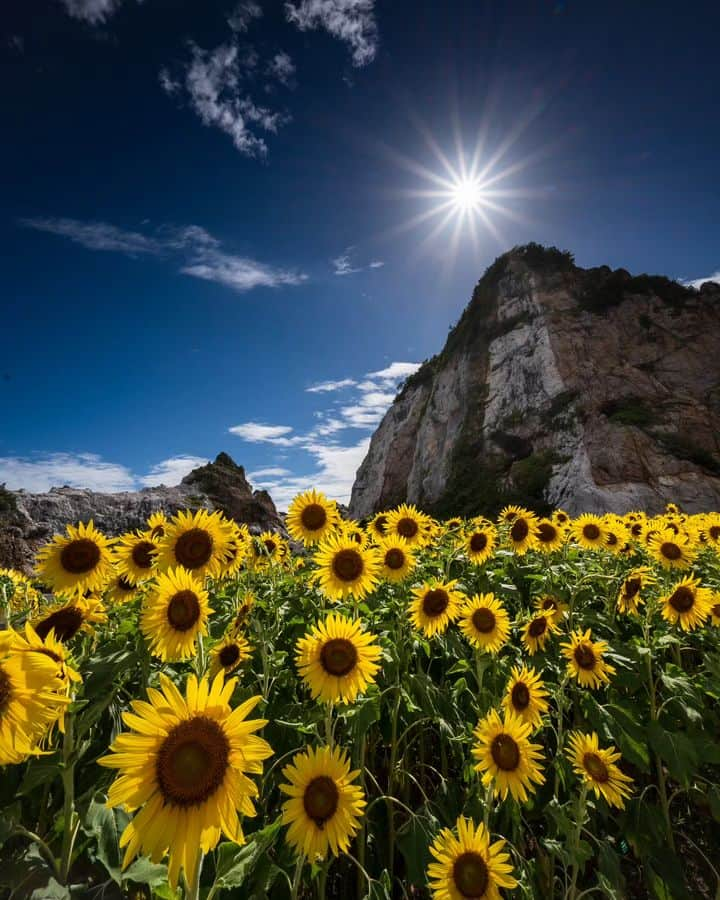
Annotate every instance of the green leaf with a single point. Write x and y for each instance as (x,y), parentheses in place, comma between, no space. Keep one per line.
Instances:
(676,749)
(413,841)
(38,772)
(145,872)
(51,891)
(100,823)
(610,871)
(235,863)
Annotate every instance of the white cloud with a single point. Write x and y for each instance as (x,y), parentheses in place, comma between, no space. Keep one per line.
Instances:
(342,265)
(326,386)
(376,264)
(269,472)
(698,282)
(243,14)
(395,371)
(352,21)
(281,67)
(172,471)
(256,433)
(94,12)
(86,470)
(169,84)
(201,256)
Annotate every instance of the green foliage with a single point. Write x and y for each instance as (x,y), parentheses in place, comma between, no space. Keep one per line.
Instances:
(684,447)
(603,293)
(630,411)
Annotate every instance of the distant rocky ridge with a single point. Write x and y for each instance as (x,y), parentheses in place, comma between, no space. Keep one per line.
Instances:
(588,389)
(28,520)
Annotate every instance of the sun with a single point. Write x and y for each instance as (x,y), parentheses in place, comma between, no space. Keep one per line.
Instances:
(466,194)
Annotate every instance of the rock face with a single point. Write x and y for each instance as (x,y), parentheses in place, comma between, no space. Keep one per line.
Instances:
(28,520)
(588,389)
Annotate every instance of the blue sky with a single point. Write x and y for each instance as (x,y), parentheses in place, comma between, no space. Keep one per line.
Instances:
(223,225)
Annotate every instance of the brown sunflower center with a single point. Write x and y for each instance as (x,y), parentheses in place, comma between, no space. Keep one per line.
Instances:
(5,690)
(585,656)
(66,622)
(407,527)
(381,524)
(270,545)
(435,602)
(670,550)
(716,610)
(142,554)
(229,655)
(348,565)
(313,517)
(682,599)
(395,558)
(520,696)
(338,657)
(483,620)
(546,533)
(158,531)
(471,876)
(591,531)
(632,587)
(596,768)
(125,584)
(478,542)
(505,752)
(636,529)
(550,604)
(183,610)
(519,530)
(192,761)
(80,556)
(193,549)
(321,799)
(537,627)
(612,539)
(714,532)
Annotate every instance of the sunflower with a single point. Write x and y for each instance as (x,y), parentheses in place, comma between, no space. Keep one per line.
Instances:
(711,529)
(479,543)
(521,534)
(396,559)
(526,696)
(409,523)
(79,560)
(537,631)
(51,647)
(16,590)
(311,517)
(560,517)
(354,532)
(585,659)
(551,607)
(468,867)
(629,598)
(672,550)
(598,768)
(175,613)
(345,568)
(337,660)
(505,756)
(184,765)
(135,555)
(31,697)
(67,617)
(377,527)
(269,548)
(121,589)
(156,524)
(688,604)
(453,524)
(508,514)
(549,535)
(435,606)
(325,807)
(715,611)
(238,547)
(196,541)
(484,622)
(227,655)
(242,613)
(617,535)
(589,531)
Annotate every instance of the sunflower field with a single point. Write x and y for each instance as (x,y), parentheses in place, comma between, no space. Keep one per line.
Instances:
(466,709)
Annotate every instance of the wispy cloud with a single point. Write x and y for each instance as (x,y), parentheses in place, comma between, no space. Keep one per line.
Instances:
(270,472)
(244,13)
(376,264)
(94,12)
(395,371)
(199,250)
(282,68)
(172,471)
(352,21)
(324,387)
(258,433)
(345,265)
(697,283)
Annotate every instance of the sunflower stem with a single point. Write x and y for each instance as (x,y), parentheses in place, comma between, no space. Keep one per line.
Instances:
(68,782)
(560,725)
(322,881)
(580,818)
(297,877)
(192,889)
(329,725)
(391,782)
(662,784)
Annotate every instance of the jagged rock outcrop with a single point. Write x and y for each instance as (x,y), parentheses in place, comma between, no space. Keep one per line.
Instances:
(588,389)
(28,520)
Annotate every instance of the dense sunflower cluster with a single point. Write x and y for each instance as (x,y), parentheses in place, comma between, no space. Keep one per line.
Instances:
(340,631)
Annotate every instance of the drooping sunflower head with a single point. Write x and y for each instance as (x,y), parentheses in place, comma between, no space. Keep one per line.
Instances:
(505,756)
(134,555)
(337,659)
(79,560)
(242,613)
(617,535)
(672,549)
(551,607)
(397,559)
(325,807)
(585,659)
(268,548)
(174,614)
(17,591)
(184,767)
(228,654)
(156,524)
(69,616)
(688,604)
(521,533)
(479,543)
(537,631)
(525,696)
(121,589)
(311,517)
(549,535)
(629,598)
(598,768)
(238,548)
(196,541)
(409,523)
(345,568)
(58,652)
(468,866)
(485,623)
(435,605)
(588,530)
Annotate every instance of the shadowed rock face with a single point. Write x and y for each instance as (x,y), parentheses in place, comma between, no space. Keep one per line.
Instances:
(29,520)
(586,389)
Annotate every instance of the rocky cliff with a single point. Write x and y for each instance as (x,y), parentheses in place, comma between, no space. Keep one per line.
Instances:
(28,520)
(588,389)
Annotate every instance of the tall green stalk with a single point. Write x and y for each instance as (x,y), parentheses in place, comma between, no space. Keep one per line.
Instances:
(68,782)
